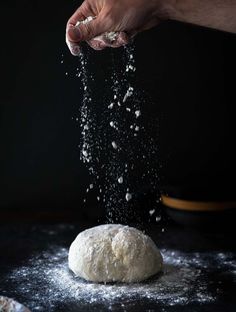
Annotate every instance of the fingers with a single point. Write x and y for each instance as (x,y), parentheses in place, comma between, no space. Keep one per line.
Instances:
(123,38)
(115,40)
(112,40)
(73,47)
(74,34)
(93,31)
(82,32)
(85,31)
(97,43)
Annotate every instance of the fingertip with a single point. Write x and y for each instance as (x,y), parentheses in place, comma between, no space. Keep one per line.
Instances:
(75,50)
(123,39)
(73,47)
(96,44)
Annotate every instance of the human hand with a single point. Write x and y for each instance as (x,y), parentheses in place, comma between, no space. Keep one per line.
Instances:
(124,17)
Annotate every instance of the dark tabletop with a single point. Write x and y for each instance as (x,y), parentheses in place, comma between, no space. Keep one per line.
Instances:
(33,256)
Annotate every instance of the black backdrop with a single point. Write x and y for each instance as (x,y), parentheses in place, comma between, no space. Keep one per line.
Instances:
(187,71)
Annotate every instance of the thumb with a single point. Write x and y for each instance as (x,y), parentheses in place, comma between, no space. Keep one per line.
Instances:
(86,31)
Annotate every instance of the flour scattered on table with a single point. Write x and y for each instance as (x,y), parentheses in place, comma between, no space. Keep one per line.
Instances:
(184,281)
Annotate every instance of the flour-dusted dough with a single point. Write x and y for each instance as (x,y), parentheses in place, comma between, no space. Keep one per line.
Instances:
(10,305)
(114,253)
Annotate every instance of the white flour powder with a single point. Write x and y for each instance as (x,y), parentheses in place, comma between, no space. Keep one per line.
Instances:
(49,282)
(117,146)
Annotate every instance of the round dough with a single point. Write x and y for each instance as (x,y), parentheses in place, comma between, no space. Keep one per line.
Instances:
(114,253)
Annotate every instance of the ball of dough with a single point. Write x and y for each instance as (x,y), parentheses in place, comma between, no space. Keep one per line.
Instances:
(114,253)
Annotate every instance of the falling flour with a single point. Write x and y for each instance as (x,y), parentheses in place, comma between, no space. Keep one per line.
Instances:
(120,180)
(116,147)
(118,138)
(128,196)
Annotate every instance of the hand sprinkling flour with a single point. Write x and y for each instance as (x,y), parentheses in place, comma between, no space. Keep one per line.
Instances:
(121,20)
(118,145)
(107,38)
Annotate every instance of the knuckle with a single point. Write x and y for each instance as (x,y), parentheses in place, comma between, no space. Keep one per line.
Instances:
(108,17)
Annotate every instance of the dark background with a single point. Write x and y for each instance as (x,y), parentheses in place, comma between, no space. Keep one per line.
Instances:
(188,72)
